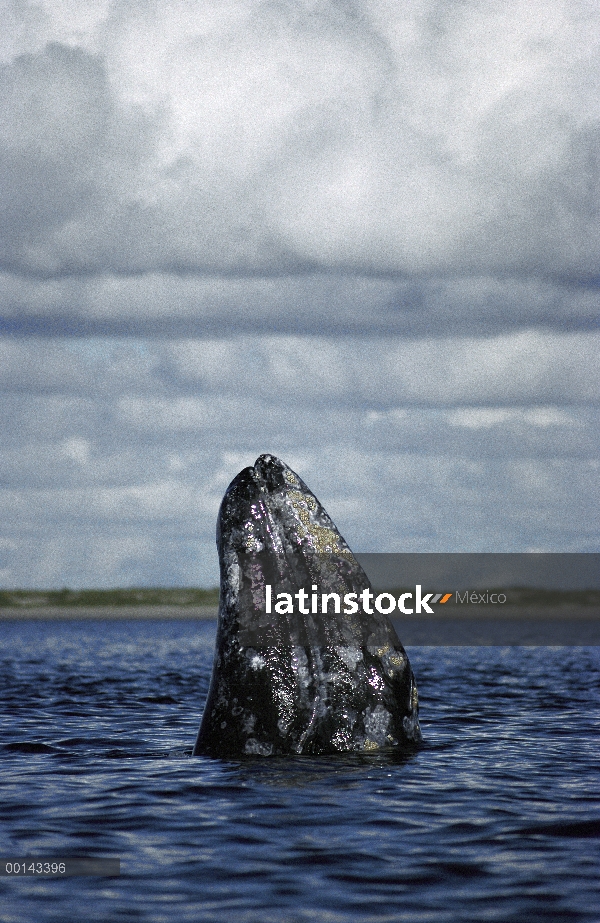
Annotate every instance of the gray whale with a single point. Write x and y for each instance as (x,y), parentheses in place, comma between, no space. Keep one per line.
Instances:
(297,682)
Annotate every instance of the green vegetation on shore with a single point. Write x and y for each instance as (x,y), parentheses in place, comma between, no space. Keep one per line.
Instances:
(134,596)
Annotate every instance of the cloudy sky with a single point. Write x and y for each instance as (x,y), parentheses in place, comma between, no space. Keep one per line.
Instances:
(360,234)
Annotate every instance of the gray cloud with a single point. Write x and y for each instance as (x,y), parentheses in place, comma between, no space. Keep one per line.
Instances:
(116,454)
(361,235)
(522,368)
(166,305)
(213,377)
(429,141)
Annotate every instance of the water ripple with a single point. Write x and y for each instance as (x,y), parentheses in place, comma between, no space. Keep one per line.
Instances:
(496,818)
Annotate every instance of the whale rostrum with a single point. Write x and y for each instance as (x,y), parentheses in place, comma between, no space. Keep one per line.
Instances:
(295,672)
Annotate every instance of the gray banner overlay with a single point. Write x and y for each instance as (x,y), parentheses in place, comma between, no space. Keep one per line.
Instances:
(432,599)
(530,629)
(36,867)
(509,572)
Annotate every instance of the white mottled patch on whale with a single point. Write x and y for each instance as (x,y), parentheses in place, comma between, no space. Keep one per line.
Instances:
(377,723)
(351,656)
(300,665)
(255,747)
(257,661)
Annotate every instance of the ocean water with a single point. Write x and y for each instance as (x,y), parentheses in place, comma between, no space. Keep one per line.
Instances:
(495,818)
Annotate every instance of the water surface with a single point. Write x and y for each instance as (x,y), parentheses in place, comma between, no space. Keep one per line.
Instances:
(496,818)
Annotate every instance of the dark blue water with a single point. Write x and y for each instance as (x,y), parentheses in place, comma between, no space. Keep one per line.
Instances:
(496,818)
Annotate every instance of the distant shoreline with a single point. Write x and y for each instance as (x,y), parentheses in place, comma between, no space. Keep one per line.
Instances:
(22,613)
(190,603)
(449,614)
(114,598)
(196,598)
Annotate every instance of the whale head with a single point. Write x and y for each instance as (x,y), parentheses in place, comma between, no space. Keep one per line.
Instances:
(293,673)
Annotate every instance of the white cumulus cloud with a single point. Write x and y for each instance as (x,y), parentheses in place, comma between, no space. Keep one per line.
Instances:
(362,235)
(261,140)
